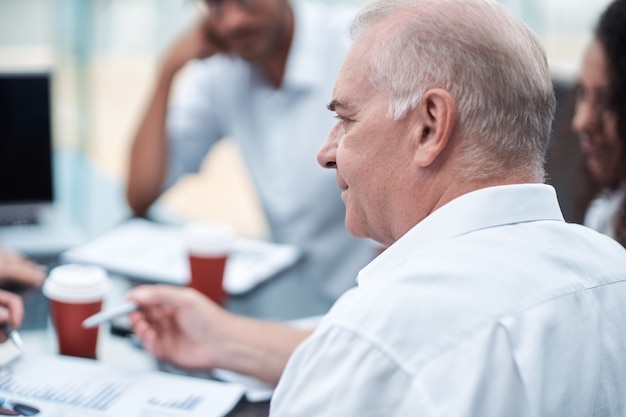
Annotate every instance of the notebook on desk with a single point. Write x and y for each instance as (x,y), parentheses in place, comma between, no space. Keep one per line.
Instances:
(154,252)
(30,219)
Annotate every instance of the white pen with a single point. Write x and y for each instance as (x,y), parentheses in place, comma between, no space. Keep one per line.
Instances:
(110,314)
(13,335)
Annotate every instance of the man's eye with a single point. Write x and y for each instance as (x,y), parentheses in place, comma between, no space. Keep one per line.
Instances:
(343,118)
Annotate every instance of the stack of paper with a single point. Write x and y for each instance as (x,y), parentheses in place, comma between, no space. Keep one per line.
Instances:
(52,386)
(156,252)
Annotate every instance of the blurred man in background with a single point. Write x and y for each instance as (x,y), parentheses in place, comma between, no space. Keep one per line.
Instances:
(260,73)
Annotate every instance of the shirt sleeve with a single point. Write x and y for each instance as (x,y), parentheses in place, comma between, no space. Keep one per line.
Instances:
(193,121)
(338,373)
(341,374)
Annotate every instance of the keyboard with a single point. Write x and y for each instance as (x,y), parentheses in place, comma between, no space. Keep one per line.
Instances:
(18,214)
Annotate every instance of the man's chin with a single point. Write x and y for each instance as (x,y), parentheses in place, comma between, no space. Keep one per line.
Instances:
(250,52)
(354,228)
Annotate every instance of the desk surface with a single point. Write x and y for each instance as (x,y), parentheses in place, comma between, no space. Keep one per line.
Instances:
(38,336)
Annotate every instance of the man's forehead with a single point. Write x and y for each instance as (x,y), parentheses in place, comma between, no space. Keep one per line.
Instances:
(350,77)
(345,94)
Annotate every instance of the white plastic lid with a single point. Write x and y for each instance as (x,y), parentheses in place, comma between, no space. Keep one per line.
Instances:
(76,283)
(209,238)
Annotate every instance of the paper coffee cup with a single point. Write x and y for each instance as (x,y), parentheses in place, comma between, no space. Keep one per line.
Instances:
(75,293)
(208,245)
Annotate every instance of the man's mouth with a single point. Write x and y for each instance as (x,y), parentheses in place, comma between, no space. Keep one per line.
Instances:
(243,37)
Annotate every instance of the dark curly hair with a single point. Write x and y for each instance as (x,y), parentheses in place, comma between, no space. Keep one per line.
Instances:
(611,34)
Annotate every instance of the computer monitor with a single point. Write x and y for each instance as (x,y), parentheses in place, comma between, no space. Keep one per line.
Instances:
(26,179)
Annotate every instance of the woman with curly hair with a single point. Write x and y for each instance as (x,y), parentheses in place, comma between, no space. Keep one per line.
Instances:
(600,122)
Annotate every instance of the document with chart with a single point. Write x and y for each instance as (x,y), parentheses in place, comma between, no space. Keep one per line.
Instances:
(61,386)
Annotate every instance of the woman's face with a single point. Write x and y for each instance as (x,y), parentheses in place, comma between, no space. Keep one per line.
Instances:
(594,121)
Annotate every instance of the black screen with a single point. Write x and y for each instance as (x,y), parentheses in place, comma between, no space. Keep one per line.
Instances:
(25,138)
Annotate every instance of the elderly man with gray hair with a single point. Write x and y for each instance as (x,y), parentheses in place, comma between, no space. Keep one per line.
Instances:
(485,303)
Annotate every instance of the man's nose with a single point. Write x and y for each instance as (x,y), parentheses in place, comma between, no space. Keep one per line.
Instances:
(327,153)
(231,14)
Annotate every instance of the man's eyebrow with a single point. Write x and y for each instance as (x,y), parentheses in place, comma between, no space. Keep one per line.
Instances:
(333,105)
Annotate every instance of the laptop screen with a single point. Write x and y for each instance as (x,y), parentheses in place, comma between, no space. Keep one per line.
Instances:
(25,138)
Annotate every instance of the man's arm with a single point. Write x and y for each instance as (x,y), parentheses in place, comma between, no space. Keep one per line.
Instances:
(181,326)
(148,157)
(149,152)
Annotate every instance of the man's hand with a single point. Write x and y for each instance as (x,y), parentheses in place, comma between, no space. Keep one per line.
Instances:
(16,268)
(178,325)
(197,43)
(11,309)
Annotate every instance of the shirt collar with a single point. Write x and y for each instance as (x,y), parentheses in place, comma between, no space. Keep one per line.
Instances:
(303,68)
(481,209)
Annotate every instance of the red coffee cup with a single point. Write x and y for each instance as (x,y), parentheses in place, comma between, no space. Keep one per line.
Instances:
(75,293)
(208,245)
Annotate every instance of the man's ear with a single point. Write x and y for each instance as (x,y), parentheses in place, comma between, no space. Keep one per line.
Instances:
(437,117)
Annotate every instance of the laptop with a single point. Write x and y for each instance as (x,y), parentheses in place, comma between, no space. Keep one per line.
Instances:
(30,219)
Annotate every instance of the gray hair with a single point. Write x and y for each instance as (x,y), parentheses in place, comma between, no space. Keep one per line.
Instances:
(490,62)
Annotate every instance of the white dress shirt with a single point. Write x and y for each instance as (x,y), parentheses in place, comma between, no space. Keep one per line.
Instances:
(603,211)
(279,132)
(491,306)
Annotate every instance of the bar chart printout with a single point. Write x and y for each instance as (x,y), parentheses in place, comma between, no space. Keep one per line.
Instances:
(60,386)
